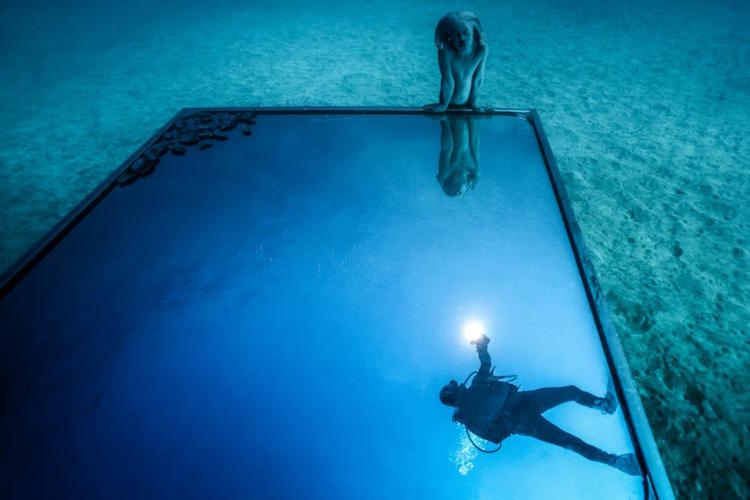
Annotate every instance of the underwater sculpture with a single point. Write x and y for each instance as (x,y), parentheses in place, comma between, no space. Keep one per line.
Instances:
(462,51)
(458,163)
(494,409)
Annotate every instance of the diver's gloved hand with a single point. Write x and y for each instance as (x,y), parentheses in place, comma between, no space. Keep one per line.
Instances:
(481,341)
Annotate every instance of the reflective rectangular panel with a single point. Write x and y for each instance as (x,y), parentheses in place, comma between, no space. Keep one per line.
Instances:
(279,315)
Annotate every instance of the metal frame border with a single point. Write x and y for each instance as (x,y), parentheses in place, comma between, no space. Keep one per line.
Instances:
(656,482)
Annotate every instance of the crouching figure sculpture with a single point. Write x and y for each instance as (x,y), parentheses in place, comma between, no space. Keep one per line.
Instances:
(462,52)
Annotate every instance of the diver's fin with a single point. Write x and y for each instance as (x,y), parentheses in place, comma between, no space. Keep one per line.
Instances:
(627,463)
(608,404)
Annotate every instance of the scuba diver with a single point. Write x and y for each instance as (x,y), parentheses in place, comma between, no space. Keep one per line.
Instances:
(494,409)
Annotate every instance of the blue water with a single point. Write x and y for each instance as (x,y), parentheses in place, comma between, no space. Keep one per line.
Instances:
(645,104)
(274,317)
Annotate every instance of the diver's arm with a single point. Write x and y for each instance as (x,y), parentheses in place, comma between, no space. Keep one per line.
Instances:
(485,362)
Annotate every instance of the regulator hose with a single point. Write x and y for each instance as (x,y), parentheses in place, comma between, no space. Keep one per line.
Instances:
(468,434)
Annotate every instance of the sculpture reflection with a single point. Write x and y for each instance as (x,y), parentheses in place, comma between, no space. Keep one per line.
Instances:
(494,409)
(458,166)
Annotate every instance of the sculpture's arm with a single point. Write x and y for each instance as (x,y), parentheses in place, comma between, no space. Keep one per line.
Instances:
(474,141)
(446,135)
(447,84)
(477,78)
(446,148)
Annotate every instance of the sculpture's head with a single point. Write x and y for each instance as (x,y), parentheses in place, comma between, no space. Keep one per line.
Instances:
(460,31)
(459,180)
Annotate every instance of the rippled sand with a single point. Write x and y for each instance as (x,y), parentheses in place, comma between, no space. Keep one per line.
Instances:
(646,108)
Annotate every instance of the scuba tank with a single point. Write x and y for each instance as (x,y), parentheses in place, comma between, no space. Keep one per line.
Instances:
(491,378)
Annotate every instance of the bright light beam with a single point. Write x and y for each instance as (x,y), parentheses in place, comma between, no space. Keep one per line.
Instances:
(473,331)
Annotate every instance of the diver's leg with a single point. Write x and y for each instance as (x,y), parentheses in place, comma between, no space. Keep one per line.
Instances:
(544,430)
(540,400)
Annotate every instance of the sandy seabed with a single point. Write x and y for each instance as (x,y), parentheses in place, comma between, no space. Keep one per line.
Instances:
(646,107)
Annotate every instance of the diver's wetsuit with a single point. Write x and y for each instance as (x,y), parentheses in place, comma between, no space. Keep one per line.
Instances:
(493,410)
(528,420)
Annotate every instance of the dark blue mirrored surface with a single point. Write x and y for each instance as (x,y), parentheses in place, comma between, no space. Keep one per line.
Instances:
(275,316)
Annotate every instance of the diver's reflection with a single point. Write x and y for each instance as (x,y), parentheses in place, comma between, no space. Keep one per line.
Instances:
(458,167)
(493,410)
